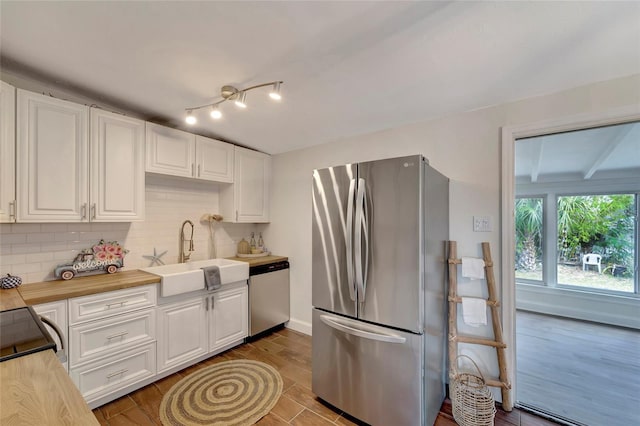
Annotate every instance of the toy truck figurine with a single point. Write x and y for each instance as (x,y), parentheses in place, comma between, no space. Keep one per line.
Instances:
(106,257)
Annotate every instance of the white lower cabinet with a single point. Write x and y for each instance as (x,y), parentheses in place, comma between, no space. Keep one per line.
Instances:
(230,317)
(183,333)
(190,329)
(121,340)
(112,342)
(57,313)
(108,375)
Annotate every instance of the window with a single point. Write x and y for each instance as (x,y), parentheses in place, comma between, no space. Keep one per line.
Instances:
(591,241)
(596,241)
(529,229)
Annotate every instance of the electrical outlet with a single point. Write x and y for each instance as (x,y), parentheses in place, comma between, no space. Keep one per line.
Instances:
(482,224)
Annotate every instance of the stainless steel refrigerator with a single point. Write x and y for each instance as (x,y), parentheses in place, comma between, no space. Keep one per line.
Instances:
(379,235)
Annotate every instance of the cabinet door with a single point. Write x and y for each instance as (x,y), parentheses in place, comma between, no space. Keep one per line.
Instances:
(251,186)
(230,317)
(7,152)
(52,159)
(170,151)
(214,160)
(182,332)
(117,167)
(56,312)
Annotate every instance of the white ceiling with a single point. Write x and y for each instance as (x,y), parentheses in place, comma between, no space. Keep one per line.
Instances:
(349,67)
(598,153)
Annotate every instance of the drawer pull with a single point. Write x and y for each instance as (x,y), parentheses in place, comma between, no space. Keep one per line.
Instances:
(117,373)
(120,304)
(121,334)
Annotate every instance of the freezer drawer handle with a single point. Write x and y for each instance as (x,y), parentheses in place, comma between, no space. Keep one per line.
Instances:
(389,338)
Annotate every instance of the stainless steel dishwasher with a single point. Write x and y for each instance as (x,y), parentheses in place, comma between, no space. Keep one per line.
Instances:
(268,296)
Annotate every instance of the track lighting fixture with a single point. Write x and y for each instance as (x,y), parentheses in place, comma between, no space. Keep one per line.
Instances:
(191,119)
(231,93)
(215,112)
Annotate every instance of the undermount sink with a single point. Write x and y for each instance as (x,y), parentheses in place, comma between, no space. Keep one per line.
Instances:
(186,277)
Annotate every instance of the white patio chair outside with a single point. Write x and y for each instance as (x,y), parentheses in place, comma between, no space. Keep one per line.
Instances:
(593,260)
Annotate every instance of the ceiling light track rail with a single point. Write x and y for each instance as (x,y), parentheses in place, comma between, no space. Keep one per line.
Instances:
(228,93)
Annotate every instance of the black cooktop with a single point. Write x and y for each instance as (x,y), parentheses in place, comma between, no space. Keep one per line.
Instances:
(22,333)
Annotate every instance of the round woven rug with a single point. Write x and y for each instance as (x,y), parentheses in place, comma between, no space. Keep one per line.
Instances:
(230,393)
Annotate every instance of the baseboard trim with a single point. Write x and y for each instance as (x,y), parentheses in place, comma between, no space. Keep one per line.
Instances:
(301,326)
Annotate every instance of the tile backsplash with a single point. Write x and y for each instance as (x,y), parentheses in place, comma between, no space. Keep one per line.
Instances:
(32,251)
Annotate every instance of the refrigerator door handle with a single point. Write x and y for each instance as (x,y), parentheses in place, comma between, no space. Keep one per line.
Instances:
(349,239)
(350,328)
(361,224)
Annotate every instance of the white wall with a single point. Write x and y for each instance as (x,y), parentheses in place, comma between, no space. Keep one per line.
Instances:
(465,147)
(32,251)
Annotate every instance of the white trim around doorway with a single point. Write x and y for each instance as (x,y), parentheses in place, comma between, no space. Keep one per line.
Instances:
(509,134)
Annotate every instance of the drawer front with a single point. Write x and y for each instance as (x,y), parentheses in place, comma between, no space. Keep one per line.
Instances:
(100,338)
(103,377)
(103,305)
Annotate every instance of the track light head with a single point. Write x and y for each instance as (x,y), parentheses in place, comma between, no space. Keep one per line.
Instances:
(242,100)
(275,91)
(190,119)
(216,114)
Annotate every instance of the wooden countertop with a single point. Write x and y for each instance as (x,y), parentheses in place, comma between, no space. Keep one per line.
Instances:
(10,299)
(36,390)
(51,291)
(257,261)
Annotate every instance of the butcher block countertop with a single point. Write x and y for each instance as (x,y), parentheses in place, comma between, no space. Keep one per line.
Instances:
(10,299)
(258,261)
(51,291)
(36,390)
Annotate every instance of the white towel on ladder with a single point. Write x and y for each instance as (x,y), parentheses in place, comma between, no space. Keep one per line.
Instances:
(474,311)
(472,268)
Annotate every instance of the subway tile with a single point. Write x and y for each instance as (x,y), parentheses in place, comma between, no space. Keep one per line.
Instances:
(54,227)
(13,239)
(12,259)
(5,228)
(66,236)
(38,257)
(26,228)
(54,246)
(25,268)
(40,237)
(25,248)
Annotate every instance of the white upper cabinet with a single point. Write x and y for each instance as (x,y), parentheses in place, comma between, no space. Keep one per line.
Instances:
(247,200)
(52,159)
(177,153)
(214,160)
(7,152)
(117,167)
(170,151)
(64,175)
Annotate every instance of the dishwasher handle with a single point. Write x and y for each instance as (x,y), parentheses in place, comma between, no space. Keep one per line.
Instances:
(270,267)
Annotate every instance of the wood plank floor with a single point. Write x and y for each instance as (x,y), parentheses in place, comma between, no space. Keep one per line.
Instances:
(582,371)
(290,353)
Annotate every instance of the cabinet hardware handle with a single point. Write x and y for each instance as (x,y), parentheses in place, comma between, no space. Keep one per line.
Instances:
(93,211)
(206,303)
(117,373)
(12,211)
(212,299)
(121,334)
(236,215)
(198,170)
(193,166)
(83,211)
(120,304)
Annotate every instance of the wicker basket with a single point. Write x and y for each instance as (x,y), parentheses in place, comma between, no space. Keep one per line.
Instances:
(471,399)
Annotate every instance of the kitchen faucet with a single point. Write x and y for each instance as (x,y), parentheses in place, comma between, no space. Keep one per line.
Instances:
(184,257)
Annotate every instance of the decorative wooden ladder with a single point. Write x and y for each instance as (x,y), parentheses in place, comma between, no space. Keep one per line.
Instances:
(493,303)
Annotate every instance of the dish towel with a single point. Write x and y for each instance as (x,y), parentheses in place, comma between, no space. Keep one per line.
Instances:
(473,268)
(474,311)
(212,277)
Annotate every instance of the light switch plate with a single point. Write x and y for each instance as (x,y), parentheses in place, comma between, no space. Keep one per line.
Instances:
(482,224)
